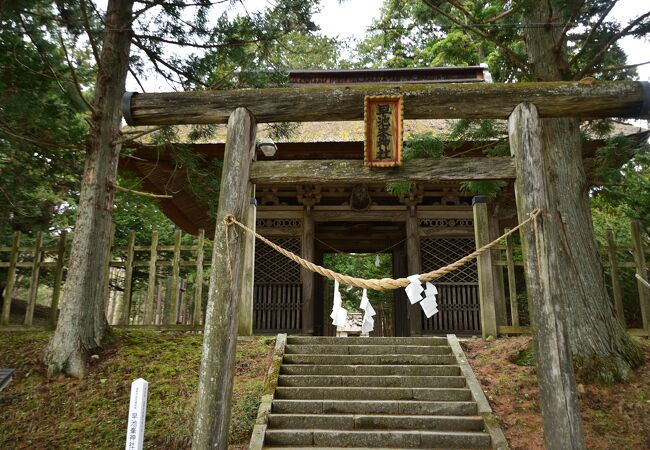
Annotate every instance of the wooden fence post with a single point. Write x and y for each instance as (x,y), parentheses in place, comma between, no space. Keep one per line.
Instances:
(128,280)
(220,333)
(33,281)
(512,281)
(642,272)
(107,262)
(616,280)
(58,278)
(198,280)
(487,291)
(11,279)
(151,285)
(559,402)
(172,314)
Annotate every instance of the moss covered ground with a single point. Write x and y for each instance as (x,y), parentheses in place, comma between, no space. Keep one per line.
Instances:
(37,413)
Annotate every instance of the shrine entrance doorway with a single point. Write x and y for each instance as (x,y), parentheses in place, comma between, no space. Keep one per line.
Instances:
(375,247)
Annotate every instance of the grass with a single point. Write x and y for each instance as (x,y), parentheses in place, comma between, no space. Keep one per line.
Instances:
(92,413)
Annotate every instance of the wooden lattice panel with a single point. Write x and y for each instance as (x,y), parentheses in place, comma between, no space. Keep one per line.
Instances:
(271,266)
(439,252)
(277,296)
(458,296)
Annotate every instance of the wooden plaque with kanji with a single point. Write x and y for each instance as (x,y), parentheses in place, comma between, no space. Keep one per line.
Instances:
(383,138)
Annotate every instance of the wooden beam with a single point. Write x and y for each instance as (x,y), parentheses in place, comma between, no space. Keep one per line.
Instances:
(417,170)
(214,396)
(557,384)
(421,101)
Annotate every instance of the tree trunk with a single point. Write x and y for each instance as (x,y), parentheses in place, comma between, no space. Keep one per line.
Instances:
(601,348)
(82,323)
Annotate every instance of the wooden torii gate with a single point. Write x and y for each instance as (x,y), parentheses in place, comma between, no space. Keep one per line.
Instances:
(523,104)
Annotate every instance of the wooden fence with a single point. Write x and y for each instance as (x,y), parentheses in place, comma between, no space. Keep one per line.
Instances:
(615,258)
(169,291)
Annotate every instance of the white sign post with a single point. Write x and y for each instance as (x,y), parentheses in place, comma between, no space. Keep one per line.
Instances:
(137,415)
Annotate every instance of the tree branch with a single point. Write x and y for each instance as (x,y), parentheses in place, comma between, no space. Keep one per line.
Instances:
(135,136)
(628,66)
(508,54)
(601,53)
(593,29)
(137,79)
(143,194)
(153,57)
(196,45)
(86,23)
(45,60)
(73,74)
(570,23)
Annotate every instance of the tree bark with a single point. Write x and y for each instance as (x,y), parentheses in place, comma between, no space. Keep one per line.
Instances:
(601,348)
(82,323)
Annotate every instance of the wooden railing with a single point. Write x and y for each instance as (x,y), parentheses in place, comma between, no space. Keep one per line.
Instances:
(170,291)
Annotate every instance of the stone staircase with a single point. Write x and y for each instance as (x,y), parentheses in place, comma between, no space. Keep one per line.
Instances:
(374,393)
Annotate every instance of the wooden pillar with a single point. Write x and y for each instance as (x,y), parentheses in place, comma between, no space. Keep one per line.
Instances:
(58,278)
(198,280)
(616,279)
(414,265)
(559,402)
(33,282)
(487,294)
(11,279)
(151,284)
(642,272)
(497,271)
(307,276)
(248,264)
(220,332)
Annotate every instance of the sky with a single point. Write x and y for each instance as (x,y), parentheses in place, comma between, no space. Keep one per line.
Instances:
(349,19)
(352,17)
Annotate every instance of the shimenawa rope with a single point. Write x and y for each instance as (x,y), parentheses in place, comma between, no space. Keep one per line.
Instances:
(383,284)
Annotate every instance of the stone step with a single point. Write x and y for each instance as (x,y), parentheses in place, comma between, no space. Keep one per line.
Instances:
(375,422)
(326,340)
(369,359)
(370,381)
(410,407)
(372,393)
(369,369)
(313,447)
(368,349)
(376,438)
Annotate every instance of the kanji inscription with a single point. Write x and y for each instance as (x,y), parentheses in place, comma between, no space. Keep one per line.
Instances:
(383,137)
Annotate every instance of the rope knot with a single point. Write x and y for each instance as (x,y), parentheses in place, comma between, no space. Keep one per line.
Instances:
(229,219)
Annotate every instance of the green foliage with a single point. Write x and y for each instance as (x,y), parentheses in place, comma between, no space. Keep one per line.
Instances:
(42,129)
(362,266)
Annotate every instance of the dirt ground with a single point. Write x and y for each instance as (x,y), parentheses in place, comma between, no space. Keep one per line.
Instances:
(613,417)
